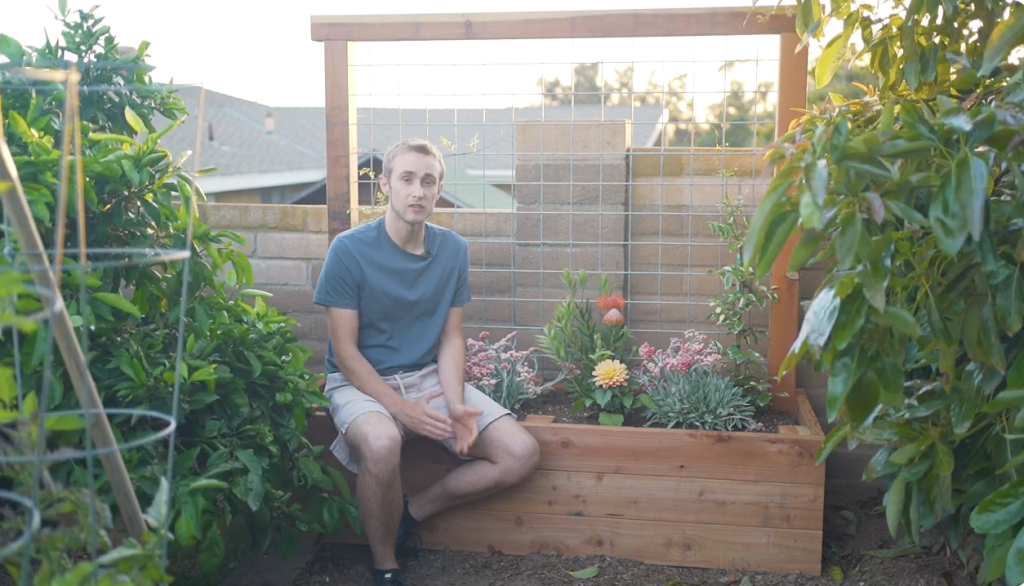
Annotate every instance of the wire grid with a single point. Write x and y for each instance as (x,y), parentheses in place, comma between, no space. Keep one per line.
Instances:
(23,262)
(635,211)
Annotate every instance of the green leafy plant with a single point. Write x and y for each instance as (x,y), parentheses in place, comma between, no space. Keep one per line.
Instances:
(914,196)
(698,398)
(731,308)
(507,375)
(575,341)
(244,474)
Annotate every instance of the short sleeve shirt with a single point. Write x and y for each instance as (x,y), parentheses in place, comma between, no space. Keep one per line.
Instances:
(402,298)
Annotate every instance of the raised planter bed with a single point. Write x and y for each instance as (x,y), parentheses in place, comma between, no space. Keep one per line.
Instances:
(728,500)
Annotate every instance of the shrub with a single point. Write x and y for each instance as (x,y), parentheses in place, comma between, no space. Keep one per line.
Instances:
(915,194)
(685,390)
(242,464)
(503,372)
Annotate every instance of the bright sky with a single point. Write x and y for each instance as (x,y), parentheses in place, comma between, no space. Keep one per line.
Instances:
(264,53)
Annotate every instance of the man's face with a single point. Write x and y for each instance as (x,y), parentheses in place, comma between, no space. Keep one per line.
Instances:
(413,187)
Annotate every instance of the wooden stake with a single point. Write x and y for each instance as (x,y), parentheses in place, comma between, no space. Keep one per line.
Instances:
(14,201)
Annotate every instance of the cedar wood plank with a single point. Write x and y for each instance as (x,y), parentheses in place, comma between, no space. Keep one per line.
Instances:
(656,542)
(784,315)
(576,24)
(654,498)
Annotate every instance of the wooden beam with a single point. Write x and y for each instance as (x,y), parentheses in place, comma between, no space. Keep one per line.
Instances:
(784,317)
(695,545)
(675,22)
(342,141)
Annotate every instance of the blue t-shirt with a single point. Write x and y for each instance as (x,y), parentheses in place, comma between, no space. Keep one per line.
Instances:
(402,298)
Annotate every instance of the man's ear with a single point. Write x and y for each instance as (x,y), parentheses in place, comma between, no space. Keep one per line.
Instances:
(383,181)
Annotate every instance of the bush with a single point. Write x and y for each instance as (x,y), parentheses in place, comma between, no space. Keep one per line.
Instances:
(501,371)
(685,389)
(242,465)
(915,194)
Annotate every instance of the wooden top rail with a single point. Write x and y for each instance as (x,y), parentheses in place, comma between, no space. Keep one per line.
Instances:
(668,22)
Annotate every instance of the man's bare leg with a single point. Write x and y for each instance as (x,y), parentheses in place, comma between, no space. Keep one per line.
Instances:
(506,453)
(376,442)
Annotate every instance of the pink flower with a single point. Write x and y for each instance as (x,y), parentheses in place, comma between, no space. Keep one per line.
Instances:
(646,351)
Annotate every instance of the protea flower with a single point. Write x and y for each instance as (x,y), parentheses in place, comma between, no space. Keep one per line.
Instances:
(610,373)
(614,317)
(610,301)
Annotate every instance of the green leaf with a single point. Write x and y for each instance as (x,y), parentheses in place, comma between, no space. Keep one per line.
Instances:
(970,175)
(900,320)
(586,572)
(1015,561)
(211,551)
(816,327)
(1010,304)
(848,240)
(65,422)
(910,451)
(250,461)
(257,488)
(779,231)
(134,121)
(851,318)
(610,419)
(1006,35)
(997,547)
(831,56)
(763,215)
(12,49)
(894,502)
(832,440)
(863,397)
(117,302)
(1001,509)
(1008,399)
(254,293)
(845,370)
(947,219)
(208,483)
(942,456)
(156,514)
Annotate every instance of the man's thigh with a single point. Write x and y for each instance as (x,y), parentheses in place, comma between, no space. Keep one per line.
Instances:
(503,439)
(358,418)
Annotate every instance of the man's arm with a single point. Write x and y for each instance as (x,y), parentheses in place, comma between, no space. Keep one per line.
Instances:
(451,358)
(343,325)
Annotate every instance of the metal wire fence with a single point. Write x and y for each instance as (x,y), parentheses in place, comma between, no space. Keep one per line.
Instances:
(613,156)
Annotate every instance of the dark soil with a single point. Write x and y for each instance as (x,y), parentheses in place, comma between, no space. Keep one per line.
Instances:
(558,403)
(855,537)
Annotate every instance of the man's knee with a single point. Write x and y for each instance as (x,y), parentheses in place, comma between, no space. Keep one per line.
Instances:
(376,442)
(517,451)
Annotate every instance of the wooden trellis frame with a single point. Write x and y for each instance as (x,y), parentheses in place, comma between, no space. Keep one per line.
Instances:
(338,33)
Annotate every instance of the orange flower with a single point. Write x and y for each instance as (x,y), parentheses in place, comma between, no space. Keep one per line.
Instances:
(614,318)
(610,301)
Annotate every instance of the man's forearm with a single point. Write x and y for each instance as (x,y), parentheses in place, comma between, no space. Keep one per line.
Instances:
(362,375)
(451,369)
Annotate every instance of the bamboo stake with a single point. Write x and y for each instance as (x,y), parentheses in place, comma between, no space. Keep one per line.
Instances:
(13,198)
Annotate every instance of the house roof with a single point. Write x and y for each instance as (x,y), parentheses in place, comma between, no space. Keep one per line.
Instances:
(478,144)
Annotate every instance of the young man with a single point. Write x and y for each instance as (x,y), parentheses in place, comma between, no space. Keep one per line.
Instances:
(394,290)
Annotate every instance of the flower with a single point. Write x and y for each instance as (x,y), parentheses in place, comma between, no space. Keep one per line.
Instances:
(614,317)
(646,351)
(610,301)
(610,373)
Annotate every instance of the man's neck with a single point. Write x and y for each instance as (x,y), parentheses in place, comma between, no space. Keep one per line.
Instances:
(408,236)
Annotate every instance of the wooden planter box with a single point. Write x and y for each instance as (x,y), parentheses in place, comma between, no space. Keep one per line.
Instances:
(729,500)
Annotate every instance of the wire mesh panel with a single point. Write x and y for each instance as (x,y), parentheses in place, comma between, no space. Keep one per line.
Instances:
(613,156)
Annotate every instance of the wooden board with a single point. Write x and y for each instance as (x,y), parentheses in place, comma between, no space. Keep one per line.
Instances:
(553,25)
(681,453)
(679,544)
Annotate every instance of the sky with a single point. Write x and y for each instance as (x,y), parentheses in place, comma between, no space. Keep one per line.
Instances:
(263,52)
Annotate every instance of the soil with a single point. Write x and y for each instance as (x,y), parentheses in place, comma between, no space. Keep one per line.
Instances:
(559,404)
(857,544)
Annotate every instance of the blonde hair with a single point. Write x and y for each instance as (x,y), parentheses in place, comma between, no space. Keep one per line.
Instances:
(415,145)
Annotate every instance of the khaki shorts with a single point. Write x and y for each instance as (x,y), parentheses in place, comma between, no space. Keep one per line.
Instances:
(348,403)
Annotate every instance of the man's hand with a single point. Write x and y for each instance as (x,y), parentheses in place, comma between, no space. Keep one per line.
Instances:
(464,423)
(418,417)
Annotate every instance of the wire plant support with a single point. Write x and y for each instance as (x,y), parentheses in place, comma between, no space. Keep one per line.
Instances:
(26,436)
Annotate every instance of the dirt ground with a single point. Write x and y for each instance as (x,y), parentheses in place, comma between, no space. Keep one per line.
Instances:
(857,550)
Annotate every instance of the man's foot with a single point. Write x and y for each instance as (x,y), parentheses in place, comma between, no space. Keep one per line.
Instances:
(406,530)
(386,578)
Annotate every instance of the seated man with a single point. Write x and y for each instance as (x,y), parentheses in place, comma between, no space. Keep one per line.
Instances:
(394,290)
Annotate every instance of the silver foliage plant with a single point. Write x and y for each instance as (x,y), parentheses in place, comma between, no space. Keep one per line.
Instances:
(702,399)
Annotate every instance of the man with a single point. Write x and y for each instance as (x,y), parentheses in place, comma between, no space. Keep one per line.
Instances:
(395,290)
